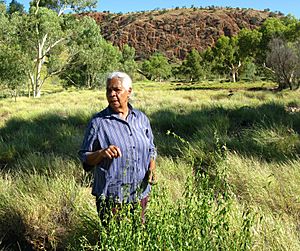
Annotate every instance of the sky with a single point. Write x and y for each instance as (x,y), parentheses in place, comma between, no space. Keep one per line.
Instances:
(124,6)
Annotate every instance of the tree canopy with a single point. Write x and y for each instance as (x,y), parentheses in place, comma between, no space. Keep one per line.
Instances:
(157,67)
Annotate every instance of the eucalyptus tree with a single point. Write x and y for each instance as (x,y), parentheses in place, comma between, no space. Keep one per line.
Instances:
(292,34)
(279,50)
(157,67)
(271,28)
(13,61)
(12,68)
(191,66)
(127,60)
(248,42)
(15,6)
(232,54)
(92,56)
(61,6)
(45,33)
(226,56)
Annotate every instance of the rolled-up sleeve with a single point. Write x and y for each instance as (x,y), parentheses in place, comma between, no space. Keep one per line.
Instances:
(90,142)
(152,149)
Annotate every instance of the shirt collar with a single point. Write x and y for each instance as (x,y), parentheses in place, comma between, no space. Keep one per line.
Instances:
(111,112)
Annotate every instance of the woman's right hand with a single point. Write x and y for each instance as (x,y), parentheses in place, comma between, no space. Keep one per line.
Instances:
(111,152)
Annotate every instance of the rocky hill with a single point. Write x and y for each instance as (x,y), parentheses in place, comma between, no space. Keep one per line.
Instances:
(175,31)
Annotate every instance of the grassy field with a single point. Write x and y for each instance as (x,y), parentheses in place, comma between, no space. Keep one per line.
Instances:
(228,171)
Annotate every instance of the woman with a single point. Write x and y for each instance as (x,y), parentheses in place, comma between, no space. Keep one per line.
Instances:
(119,142)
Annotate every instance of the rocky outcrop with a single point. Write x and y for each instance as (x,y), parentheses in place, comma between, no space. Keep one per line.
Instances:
(175,32)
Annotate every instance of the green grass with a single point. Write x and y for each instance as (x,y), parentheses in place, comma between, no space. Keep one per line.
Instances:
(228,171)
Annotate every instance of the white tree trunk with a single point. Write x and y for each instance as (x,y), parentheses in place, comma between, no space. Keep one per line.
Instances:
(234,71)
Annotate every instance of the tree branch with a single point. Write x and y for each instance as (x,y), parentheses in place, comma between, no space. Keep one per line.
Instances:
(37,7)
(53,45)
(268,68)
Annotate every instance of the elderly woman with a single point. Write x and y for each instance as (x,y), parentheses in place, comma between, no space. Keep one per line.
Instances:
(119,142)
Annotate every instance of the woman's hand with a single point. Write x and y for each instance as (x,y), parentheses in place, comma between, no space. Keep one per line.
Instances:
(111,152)
(152,175)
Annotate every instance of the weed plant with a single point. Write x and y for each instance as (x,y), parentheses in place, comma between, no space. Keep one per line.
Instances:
(198,221)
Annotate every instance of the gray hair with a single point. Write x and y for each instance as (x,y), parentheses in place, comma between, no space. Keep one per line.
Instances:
(125,79)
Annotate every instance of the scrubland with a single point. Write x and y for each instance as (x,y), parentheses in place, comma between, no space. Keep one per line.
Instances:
(228,171)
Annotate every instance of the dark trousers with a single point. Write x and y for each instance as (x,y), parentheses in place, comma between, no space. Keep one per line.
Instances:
(107,208)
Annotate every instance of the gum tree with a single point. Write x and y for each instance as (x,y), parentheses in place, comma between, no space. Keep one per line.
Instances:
(191,66)
(226,56)
(157,67)
(15,6)
(92,56)
(45,34)
(13,61)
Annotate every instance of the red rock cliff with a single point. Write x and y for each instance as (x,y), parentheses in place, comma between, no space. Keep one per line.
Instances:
(175,32)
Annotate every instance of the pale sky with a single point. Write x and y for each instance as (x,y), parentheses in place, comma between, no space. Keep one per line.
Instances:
(285,6)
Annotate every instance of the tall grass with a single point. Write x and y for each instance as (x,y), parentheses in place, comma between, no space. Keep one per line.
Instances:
(228,172)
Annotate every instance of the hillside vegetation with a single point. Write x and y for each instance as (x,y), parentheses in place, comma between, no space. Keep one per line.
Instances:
(228,172)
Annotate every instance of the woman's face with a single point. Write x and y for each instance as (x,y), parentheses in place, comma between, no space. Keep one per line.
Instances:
(117,96)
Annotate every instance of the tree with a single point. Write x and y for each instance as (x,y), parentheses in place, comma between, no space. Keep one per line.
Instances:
(45,32)
(157,67)
(227,57)
(292,31)
(248,70)
(61,6)
(248,42)
(271,28)
(13,61)
(208,62)
(2,8)
(191,66)
(127,61)
(12,68)
(284,62)
(93,56)
(15,6)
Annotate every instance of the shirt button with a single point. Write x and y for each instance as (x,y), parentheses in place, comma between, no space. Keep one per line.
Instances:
(133,147)
(130,134)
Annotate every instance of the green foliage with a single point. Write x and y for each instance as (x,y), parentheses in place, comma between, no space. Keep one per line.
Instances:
(226,54)
(249,70)
(127,61)
(13,67)
(14,64)
(271,28)
(248,43)
(202,224)
(293,24)
(2,7)
(15,6)
(92,58)
(63,5)
(191,67)
(42,36)
(157,67)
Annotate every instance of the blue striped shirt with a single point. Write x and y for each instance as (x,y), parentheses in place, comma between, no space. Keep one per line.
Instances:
(123,178)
